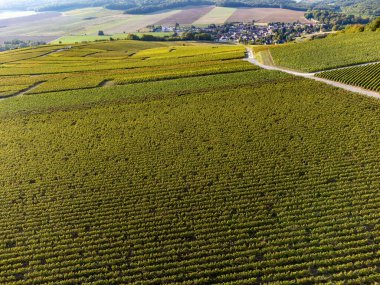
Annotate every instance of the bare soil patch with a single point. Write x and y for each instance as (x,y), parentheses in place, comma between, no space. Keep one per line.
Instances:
(267,15)
(186,17)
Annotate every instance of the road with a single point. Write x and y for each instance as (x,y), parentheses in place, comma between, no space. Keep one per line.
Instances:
(251,59)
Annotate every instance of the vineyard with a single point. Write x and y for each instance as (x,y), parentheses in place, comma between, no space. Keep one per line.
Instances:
(367,76)
(334,51)
(58,68)
(192,167)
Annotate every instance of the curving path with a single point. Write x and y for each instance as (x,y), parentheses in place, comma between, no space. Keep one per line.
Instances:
(347,87)
(22,92)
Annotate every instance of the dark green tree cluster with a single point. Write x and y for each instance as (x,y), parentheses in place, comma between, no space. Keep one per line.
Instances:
(371,27)
(15,44)
(187,36)
(334,21)
(369,8)
(374,25)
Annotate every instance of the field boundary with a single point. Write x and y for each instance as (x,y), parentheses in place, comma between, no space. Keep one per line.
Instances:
(251,58)
(111,83)
(23,91)
(348,66)
(265,57)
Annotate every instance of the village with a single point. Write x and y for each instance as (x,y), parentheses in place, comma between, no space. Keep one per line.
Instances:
(248,33)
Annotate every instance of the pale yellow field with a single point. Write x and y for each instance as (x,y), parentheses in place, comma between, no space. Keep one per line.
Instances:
(89,21)
(129,23)
(218,15)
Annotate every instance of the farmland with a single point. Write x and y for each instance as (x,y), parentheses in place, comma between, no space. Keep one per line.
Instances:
(331,52)
(267,15)
(195,167)
(80,39)
(81,22)
(218,15)
(88,21)
(367,76)
(89,66)
(186,16)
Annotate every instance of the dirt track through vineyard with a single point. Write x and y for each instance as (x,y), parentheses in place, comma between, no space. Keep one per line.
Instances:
(251,58)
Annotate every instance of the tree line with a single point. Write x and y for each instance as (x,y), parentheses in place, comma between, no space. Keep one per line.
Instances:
(334,20)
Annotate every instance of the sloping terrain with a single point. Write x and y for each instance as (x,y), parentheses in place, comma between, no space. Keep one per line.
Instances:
(88,21)
(331,52)
(268,15)
(121,62)
(245,176)
(366,76)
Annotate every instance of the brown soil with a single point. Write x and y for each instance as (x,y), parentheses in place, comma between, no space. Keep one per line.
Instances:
(186,17)
(267,15)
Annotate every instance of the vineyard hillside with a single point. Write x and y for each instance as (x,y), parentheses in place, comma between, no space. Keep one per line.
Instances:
(337,50)
(179,163)
(367,76)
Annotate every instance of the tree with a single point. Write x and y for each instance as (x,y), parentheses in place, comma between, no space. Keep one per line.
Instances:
(203,37)
(132,37)
(374,25)
(100,33)
(188,36)
(147,37)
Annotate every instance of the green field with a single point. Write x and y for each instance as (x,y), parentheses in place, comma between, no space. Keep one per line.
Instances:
(83,66)
(367,76)
(334,51)
(195,167)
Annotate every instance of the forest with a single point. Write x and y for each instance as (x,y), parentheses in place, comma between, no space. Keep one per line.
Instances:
(334,20)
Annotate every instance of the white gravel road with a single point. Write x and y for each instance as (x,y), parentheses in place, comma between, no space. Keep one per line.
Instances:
(251,59)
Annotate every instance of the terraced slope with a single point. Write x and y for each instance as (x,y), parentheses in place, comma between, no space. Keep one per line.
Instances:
(244,177)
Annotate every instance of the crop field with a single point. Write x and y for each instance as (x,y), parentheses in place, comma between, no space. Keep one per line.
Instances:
(203,169)
(367,76)
(81,22)
(56,68)
(88,21)
(218,15)
(331,52)
(186,16)
(267,15)
(80,39)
